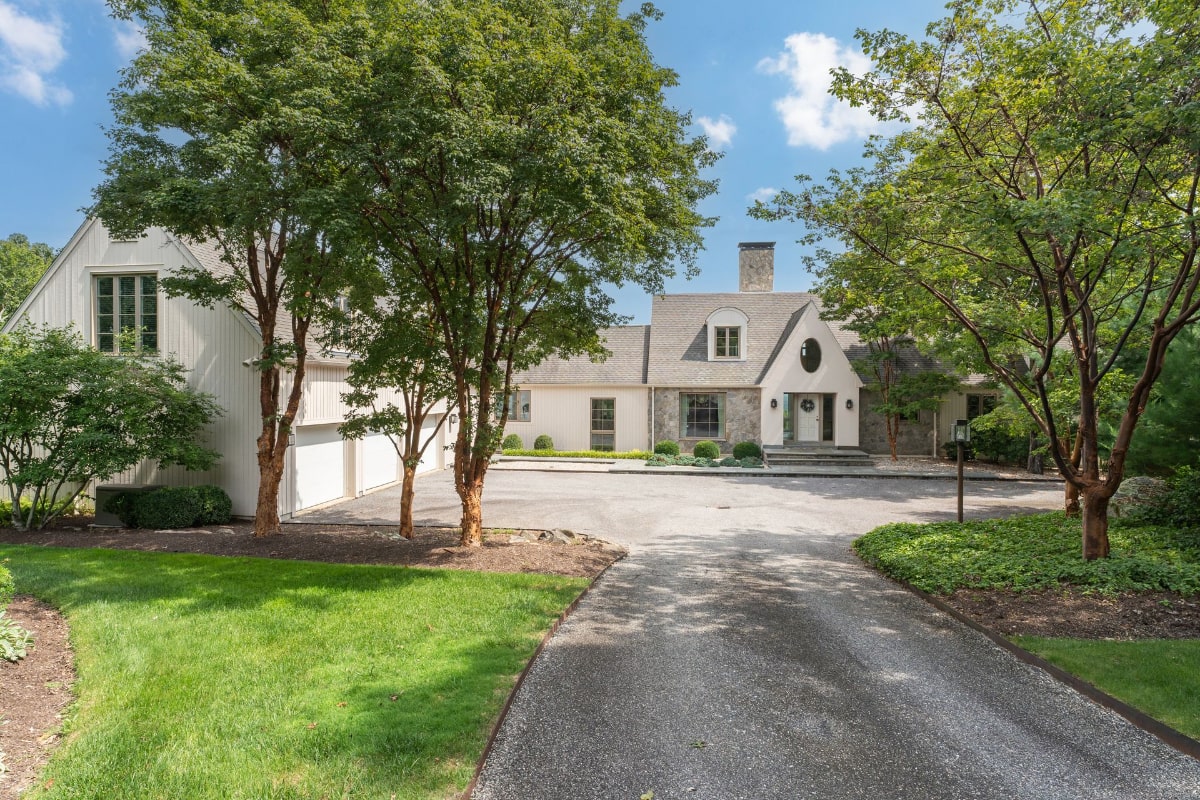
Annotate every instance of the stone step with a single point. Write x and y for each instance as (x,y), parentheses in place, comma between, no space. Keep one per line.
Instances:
(815,456)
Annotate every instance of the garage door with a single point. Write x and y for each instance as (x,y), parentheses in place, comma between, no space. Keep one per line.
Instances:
(381,465)
(430,458)
(320,465)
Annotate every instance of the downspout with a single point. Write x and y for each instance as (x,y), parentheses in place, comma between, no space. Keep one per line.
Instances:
(935,433)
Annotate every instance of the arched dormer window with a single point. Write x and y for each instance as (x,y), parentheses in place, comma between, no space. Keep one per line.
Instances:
(727,335)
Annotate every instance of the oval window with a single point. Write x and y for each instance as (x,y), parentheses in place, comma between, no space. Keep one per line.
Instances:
(810,355)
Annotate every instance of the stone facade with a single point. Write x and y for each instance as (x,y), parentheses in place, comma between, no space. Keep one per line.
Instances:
(915,439)
(756,266)
(743,416)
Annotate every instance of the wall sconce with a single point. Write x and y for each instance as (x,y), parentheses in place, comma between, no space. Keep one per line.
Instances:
(849,404)
(453,419)
(774,403)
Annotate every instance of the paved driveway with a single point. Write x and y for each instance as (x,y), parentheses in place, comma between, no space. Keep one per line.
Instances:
(741,651)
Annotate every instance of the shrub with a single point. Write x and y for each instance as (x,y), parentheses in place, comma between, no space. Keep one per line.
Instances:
(6,515)
(951,451)
(166,508)
(729,461)
(667,448)
(1180,507)
(215,506)
(543,442)
(7,587)
(512,442)
(706,449)
(747,450)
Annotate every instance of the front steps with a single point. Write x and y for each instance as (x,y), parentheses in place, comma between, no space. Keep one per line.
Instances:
(814,455)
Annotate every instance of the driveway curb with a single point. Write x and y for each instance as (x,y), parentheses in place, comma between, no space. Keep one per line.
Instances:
(1180,741)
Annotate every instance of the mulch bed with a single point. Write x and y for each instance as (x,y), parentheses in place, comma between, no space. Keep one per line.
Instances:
(36,688)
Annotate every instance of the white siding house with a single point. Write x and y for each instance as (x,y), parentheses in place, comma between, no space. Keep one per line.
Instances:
(94,283)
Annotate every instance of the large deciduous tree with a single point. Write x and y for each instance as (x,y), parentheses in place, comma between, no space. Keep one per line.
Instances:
(1046,198)
(22,262)
(514,157)
(220,137)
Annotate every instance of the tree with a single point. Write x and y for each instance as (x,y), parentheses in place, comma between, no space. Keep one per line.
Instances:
(219,137)
(1170,438)
(511,158)
(398,352)
(22,263)
(1046,198)
(888,318)
(70,415)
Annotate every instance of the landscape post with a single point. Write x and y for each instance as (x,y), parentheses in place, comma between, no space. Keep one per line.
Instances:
(960,481)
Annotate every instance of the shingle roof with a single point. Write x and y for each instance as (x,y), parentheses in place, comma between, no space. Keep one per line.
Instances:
(627,345)
(679,344)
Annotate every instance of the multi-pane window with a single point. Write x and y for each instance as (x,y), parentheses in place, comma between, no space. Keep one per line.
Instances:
(728,342)
(518,406)
(126,313)
(604,424)
(702,416)
(980,404)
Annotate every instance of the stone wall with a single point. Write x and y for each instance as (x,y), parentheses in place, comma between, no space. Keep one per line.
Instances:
(915,439)
(756,266)
(743,417)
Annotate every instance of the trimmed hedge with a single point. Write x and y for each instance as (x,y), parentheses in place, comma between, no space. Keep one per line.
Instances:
(172,507)
(7,587)
(660,460)
(543,442)
(512,442)
(747,450)
(607,455)
(706,449)
(667,448)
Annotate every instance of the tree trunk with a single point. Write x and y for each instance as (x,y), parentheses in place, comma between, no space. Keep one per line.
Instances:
(270,472)
(893,433)
(472,516)
(1095,524)
(1071,500)
(407,491)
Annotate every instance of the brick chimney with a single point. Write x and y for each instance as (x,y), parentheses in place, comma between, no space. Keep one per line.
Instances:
(756,266)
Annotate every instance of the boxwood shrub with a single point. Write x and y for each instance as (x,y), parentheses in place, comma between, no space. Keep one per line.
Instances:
(512,442)
(667,448)
(166,508)
(747,450)
(7,587)
(706,449)
(215,506)
(543,442)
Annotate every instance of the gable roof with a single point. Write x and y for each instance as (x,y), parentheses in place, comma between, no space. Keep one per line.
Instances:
(679,343)
(628,346)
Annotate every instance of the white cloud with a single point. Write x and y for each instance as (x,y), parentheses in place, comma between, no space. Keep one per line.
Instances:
(812,116)
(129,38)
(719,132)
(763,195)
(30,50)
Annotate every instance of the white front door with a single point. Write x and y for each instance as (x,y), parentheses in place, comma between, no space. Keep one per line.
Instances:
(807,413)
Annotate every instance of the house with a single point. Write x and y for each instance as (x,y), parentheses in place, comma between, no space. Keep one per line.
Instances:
(752,365)
(101,285)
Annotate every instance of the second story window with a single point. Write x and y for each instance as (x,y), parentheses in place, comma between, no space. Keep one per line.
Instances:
(728,342)
(126,313)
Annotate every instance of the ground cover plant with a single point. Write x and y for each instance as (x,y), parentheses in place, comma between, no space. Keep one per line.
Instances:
(206,677)
(660,460)
(627,454)
(1156,676)
(1034,552)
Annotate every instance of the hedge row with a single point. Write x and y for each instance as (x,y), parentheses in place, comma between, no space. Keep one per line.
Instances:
(172,507)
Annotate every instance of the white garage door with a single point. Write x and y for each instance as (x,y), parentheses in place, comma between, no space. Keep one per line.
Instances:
(430,459)
(381,465)
(320,465)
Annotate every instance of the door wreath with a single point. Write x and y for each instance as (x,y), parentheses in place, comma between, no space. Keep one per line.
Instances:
(807,405)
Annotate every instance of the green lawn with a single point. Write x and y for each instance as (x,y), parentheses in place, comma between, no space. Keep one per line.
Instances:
(1159,677)
(204,677)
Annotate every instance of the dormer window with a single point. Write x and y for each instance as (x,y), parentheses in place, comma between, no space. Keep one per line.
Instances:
(727,331)
(728,342)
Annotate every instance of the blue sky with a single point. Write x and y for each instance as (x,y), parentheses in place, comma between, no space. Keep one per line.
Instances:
(752,73)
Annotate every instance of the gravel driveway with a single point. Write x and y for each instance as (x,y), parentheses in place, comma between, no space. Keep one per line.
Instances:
(742,651)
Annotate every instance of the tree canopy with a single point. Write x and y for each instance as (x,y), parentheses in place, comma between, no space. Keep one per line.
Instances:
(1046,198)
(22,263)
(512,159)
